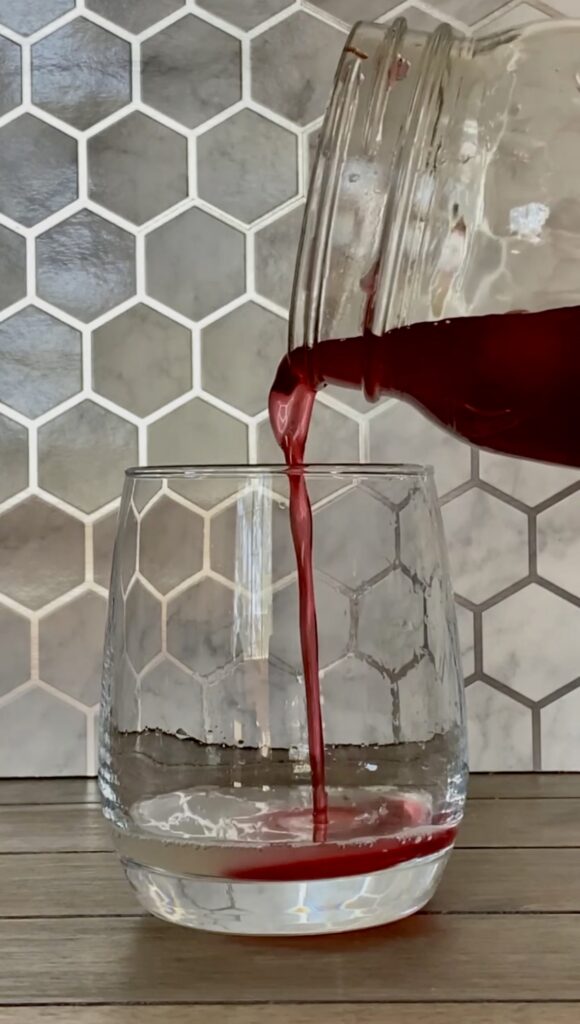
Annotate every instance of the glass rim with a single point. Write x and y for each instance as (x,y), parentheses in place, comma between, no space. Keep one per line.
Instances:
(316,469)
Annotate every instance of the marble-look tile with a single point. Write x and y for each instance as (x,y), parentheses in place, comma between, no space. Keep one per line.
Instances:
(365,10)
(276,248)
(401,434)
(568,8)
(12,267)
(10,72)
(333,625)
(85,265)
(250,336)
(142,626)
(465,628)
(81,91)
(30,15)
(354,538)
(246,15)
(499,731)
(247,165)
(516,17)
(191,71)
(469,11)
(199,434)
(195,264)
(41,735)
(134,15)
(104,532)
(256,703)
(530,482)
(13,457)
(171,700)
(200,627)
(71,647)
(141,360)
(357,704)
(560,734)
(15,646)
(41,361)
(43,552)
(391,621)
(559,543)
(488,544)
(519,646)
(170,544)
(137,167)
(38,170)
(293,65)
(255,522)
(428,704)
(83,453)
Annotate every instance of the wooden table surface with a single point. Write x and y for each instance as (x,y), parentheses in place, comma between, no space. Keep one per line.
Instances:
(499,944)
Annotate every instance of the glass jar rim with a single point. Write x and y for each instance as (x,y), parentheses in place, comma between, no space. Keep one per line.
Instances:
(200,471)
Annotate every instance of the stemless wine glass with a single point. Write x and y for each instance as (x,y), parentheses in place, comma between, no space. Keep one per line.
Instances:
(204,759)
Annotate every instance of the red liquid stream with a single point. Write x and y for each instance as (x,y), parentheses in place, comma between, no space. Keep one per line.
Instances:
(510,383)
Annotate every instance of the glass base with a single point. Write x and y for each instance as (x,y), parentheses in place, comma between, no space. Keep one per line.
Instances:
(288,908)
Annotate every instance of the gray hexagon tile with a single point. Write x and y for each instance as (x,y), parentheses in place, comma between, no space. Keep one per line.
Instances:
(276,248)
(43,552)
(141,360)
(10,74)
(142,626)
(530,482)
(13,457)
(172,701)
(81,91)
(250,336)
(38,170)
(85,265)
(247,165)
(170,544)
(354,538)
(499,730)
(559,730)
(200,627)
(391,622)
(246,525)
(191,71)
(465,628)
(15,642)
(195,264)
(333,614)
(469,11)
(232,705)
(28,16)
(82,455)
(71,647)
(366,10)
(12,267)
(518,642)
(357,704)
(40,735)
(41,361)
(400,433)
(104,531)
(559,543)
(294,64)
(246,15)
(137,167)
(134,15)
(198,433)
(488,544)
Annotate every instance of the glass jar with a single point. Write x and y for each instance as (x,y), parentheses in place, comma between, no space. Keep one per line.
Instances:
(204,759)
(446,182)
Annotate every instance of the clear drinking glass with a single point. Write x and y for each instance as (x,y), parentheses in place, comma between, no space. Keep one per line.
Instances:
(204,763)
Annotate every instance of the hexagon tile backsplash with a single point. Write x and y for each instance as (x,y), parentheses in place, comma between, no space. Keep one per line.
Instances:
(153,159)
